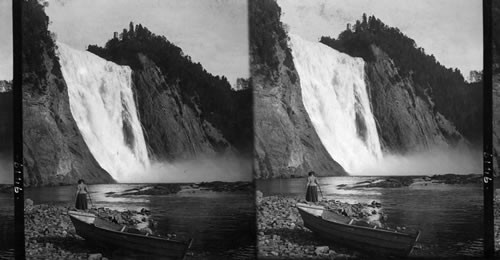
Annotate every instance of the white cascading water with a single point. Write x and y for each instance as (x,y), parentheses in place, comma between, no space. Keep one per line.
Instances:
(103,106)
(336,99)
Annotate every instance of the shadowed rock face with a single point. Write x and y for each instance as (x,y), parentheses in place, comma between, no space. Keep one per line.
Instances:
(405,121)
(172,129)
(54,150)
(285,140)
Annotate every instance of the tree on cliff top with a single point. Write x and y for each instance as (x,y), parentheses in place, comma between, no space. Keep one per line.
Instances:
(228,110)
(453,96)
(266,33)
(35,30)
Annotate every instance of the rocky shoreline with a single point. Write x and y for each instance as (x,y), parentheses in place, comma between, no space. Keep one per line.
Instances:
(49,233)
(281,231)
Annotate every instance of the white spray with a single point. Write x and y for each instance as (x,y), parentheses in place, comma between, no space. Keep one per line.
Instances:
(103,106)
(335,97)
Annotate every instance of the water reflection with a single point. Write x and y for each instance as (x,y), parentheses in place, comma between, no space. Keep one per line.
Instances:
(450,218)
(217,221)
(6,226)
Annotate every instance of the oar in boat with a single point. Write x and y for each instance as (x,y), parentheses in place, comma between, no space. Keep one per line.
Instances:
(90,198)
(321,192)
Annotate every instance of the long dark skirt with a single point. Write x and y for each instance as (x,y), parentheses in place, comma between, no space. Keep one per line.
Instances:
(81,201)
(312,194)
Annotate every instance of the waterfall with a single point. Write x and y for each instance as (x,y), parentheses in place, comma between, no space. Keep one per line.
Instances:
(336,99)
(103,106)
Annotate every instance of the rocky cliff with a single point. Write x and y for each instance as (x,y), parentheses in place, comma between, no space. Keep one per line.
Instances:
(285,142)
(54,150)
(184,111)
(173,130)
(405,121)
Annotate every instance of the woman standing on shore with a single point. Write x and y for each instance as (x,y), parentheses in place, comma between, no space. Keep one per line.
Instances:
(81,195)
(312,192)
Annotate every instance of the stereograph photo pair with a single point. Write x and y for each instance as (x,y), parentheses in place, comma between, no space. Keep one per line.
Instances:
(260,129)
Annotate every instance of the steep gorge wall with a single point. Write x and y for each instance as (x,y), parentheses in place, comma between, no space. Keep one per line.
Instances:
(54,150)
(172,129)
(406,122)
(285,141)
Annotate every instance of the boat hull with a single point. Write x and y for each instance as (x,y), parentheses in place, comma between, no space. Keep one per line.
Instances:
(362,238)
(140,244)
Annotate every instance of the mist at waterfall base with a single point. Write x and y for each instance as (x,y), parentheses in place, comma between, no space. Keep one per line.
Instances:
(429,162)
(103,106)
(335,97)
(201,169)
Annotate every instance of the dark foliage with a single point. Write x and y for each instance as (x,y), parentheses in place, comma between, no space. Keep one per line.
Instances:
(35,30)
(267,32)
(228,110)
(456,99)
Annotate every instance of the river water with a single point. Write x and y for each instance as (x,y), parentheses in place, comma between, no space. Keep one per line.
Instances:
(450,217)
(6,226)
(222,224)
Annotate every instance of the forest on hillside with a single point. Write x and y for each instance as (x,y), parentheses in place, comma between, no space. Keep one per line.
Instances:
(227,109)
(458,100)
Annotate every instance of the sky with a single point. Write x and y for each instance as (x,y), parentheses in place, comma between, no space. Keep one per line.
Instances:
(212,32)
(451,30)
(6,45)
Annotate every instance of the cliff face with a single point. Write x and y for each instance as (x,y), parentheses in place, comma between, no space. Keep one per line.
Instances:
(285,141)
(54,150)
(173,130)
(405,121)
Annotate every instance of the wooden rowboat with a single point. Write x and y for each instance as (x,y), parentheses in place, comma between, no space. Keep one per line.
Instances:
(341,230)
(110,235)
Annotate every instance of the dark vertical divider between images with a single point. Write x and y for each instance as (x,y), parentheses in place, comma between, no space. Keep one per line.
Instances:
(489,243)
(18,133)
